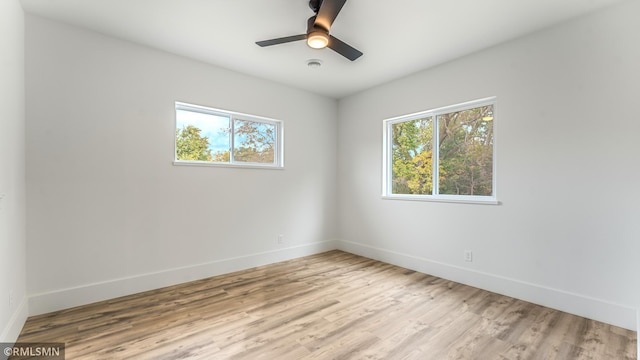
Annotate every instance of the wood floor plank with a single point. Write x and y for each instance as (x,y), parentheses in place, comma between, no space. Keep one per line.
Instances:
(333,305)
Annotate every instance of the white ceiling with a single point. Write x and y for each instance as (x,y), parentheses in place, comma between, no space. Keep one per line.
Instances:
(397,37)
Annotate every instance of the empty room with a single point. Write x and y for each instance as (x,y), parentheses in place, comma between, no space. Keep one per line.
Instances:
(323,179)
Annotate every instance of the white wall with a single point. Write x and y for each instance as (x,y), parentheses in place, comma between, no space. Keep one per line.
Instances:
(12,172)
(109,214)
(566,233)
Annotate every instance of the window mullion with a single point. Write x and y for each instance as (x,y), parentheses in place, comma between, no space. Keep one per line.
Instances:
(435,176)
(389,158)
(232,133)
(276,147)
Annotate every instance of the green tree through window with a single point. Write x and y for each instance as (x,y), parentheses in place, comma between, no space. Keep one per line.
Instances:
(190,145)
(442,153)
(466,152)
(412,151)
(223,137)
(254,141)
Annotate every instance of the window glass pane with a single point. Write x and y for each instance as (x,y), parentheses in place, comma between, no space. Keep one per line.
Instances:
(412,160)
(254,142)
(202,137)
(466,152)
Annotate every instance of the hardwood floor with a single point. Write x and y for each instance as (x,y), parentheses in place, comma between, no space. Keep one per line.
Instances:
(328,306)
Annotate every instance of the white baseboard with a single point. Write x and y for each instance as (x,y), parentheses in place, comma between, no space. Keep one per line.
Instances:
(11,332)
(596,309)
(90,293)
(615,314)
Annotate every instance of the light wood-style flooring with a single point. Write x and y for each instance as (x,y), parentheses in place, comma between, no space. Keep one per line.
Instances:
(333,305)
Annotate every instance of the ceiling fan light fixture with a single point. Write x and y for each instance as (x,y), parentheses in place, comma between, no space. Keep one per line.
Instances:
(318,40)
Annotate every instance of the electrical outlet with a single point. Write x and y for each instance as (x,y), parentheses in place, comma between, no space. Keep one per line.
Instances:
(280,239)
(468,256)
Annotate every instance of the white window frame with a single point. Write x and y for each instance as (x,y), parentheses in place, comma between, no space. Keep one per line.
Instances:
(387,156)
(232,115)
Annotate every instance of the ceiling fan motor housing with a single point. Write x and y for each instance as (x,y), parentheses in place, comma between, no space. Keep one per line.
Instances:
(313,26)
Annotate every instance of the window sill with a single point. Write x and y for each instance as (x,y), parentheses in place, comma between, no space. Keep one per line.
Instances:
(479,200)
(224,165)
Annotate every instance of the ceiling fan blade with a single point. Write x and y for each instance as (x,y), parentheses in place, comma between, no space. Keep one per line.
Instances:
(328,12)
(343,48)
(281,40)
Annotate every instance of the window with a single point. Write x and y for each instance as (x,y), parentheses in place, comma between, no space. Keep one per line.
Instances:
(444,154)
(217,137)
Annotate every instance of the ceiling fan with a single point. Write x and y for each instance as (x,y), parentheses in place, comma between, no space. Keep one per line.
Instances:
(318,26)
